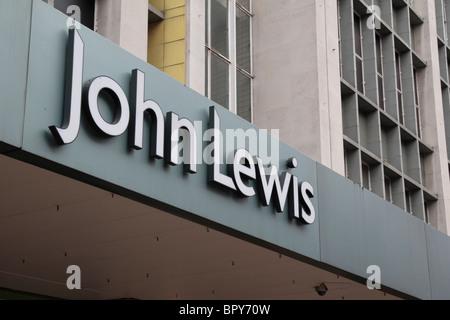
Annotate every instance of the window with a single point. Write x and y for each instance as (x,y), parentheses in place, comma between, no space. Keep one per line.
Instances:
(427,214)
(358,53)
(229,55)
(408,200)
(379,51)
(444,15)
(422,168)
(401,112)
(388,189)
(417,105)
(366,176)
(346,162)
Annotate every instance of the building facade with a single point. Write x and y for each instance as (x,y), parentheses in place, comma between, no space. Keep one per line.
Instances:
(369,66)
(360,88)
(371,69)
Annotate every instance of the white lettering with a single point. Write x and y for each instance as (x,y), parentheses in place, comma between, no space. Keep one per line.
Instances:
(137,119)
(214,173)
(247,169)
(73,91)
(121,119)
(189,310)
(272,186)
(308,211)
(174,139)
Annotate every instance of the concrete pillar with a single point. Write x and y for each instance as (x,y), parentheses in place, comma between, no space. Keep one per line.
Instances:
(437,177)
(297,80)
(195,45)
(125,23)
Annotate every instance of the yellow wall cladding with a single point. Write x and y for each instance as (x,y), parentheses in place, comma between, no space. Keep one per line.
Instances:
(166,39)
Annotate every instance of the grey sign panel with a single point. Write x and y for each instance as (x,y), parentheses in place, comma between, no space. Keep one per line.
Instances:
(358,229)
(396,242)
(109,161)
(342,222)
(13,62)
(438,261)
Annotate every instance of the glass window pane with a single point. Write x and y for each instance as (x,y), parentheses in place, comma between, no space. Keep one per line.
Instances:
(244,3)
(416,88)
(220,81)
(219,26)
(408,200)
(400,108)
(244,97)
(418,123)
(379,55)
(243,40)
(359,75)
(358,47)
(381,92)
(387,188)
(366,176)
(206,73)
(399,76)
(422,169)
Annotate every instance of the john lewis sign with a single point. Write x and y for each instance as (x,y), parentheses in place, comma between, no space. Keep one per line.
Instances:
(353,227)
(271,186)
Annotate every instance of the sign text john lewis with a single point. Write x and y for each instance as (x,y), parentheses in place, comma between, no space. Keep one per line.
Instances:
(165,135)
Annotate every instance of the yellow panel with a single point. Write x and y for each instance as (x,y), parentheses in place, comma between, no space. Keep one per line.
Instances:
(170,4)
(156,55)
(155,33)
(175,29)
(176,72)
(174,53)
(180,11)
(166,39)
(158,4)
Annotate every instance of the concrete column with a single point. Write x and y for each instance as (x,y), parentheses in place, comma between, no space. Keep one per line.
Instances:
(297,80)
(328,63)
(195,45)
(437,177)
(125,23)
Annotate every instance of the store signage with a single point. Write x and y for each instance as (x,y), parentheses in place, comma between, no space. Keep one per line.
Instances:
(271,187)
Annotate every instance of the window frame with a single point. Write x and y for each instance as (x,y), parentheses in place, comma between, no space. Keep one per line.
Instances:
(417,103)
(358,56)
(366,166)
(399,88)
(388,195)
(408,201)
(380,70)
(233,67)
